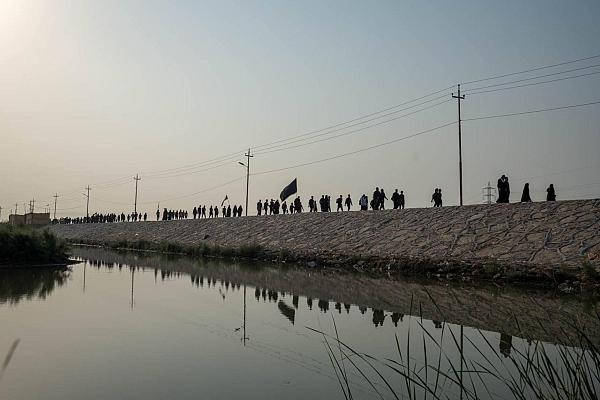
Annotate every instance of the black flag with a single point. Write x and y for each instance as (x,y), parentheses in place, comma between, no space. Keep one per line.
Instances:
(289,190)
(224,200)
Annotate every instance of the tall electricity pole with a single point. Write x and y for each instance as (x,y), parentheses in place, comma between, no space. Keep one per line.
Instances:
(16,208)
(136,179)
(458,97)
(87,206)
(55,199)
(247,165)
(32,205)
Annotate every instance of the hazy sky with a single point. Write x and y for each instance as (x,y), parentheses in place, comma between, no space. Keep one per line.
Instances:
(93,92)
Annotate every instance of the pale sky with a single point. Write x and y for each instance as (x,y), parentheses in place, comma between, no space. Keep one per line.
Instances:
(93,92)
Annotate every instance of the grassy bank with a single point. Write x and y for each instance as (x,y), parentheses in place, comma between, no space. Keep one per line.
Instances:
(583,279)
(22,245)
(201,250)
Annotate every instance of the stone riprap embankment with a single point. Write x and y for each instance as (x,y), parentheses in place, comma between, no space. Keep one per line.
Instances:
(534,236)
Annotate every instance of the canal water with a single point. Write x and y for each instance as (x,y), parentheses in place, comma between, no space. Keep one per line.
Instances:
(134,326)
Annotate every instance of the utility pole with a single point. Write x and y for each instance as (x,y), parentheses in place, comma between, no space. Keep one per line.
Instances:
(0,213)
(32,205)
(55,199)
(16,208)
(136,179)
(87,207)
(458,97)
(247,165)
(489,193)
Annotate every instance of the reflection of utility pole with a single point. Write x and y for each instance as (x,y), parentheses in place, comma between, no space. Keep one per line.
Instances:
(132,275)
(84,267)
(244,333)
(488,193)
(136,179)
(460,177)
(462,358)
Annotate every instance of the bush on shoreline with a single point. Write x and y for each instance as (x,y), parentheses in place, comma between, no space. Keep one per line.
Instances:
(23,245)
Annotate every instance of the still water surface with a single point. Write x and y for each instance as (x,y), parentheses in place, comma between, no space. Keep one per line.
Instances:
(137,327)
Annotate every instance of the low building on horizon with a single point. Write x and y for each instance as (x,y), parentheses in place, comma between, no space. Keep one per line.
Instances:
(32,219)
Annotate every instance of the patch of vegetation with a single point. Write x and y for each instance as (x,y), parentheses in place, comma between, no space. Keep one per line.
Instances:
(252,251)
(24,245)
(535,371)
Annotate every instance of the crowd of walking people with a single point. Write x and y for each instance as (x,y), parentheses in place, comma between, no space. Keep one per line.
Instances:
(504,192)
(274,206)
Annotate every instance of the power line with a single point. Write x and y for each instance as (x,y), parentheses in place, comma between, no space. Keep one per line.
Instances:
(199,192)
(534,77)
(533,84)
(354,130)
(328,131)
(263,146)
(355,151)
(531,70)
(532,111)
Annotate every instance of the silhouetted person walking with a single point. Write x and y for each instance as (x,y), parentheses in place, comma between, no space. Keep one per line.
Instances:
(503,190)
(382,199)
(363,202)
(348,202)
(339,202)
(402,201)
(376,199)
(396,199)
(259,207)
(551,194)
(525,198)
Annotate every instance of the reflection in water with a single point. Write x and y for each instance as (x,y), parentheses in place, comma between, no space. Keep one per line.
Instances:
(505,344)
(286,311)
(16,285)
(276,319)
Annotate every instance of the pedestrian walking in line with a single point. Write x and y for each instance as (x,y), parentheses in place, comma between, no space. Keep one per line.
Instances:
(525,197)
(363,202)
(551,193)
(339,202)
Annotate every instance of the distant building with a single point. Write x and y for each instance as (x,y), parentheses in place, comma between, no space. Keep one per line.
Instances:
(34,219)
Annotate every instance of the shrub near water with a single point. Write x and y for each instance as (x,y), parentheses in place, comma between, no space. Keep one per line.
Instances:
(26,245)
